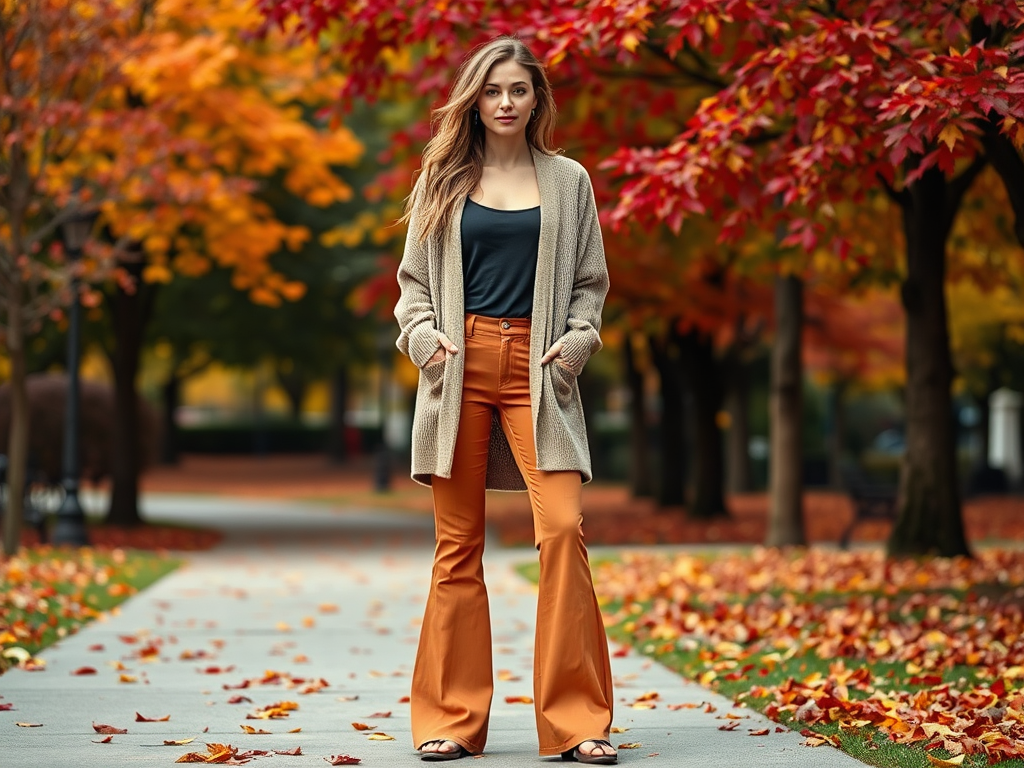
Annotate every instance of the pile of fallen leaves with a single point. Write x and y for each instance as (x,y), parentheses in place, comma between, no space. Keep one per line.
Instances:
(48,593)
(851,647)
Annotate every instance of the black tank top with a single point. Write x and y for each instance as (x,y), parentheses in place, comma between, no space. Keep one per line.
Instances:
(499,259)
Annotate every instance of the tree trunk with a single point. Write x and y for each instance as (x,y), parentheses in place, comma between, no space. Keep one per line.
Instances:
(641,480)
(672,437)
(294,383)
(17,441)
(738,474)
(706,383)
(928,518)
(337,436)
(169,442)
(785,515)
(130,312)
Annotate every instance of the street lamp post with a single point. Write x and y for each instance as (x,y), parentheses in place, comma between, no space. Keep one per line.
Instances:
(69,527)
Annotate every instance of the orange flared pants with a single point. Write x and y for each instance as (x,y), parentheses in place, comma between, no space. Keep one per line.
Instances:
(453,680)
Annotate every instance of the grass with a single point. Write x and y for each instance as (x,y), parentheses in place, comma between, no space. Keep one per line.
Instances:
(48,593)
(750,673)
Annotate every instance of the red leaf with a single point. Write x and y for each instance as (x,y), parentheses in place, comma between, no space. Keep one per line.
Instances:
(84,671)
(100,728)
(104,740)
(292,751)
(342,760)
(143,719)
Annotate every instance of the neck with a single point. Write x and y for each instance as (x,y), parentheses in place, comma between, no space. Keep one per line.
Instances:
(507,152)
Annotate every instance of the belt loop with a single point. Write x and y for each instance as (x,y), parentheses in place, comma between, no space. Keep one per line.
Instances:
(470,325)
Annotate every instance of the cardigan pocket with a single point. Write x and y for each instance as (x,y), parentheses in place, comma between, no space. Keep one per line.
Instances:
(564,380)
(433,373)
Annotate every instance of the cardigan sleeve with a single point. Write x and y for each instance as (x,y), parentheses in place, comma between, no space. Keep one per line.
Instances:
(590,284)
(418,336)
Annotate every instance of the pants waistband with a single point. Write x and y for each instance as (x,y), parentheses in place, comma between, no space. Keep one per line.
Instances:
(496,326)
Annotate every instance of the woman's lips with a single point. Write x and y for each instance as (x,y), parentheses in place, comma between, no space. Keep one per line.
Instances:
(505,119)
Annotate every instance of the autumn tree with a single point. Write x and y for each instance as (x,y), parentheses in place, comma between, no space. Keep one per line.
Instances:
(57,59)
(241,114)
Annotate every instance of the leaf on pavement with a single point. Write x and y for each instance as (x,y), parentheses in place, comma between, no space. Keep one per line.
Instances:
(630,745)
(84,671)
(343,760)
(250,729)
(104,740)
(293,751)
(222,754)
(139,718)
(101,728)
(363,726)
(518,700)
(178,742)
(29,725)
(380,737)
(617,729)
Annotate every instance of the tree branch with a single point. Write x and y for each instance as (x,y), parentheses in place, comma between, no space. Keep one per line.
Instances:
(1007,162)
(898,196)
(957,187)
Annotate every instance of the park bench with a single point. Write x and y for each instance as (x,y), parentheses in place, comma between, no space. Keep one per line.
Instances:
(871,501)
(43,497)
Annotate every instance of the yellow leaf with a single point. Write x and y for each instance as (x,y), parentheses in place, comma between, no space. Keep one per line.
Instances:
(950,135)
(631,745)
(958,760)
(380,737)
(630,41)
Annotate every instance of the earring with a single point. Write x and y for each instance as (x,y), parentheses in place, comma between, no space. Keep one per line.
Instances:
(533,113)
(476,116)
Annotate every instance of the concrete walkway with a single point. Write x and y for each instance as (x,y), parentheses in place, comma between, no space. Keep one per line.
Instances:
(311,592)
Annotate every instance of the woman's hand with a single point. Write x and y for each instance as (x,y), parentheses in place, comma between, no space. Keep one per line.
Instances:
(443,351)
(551,354)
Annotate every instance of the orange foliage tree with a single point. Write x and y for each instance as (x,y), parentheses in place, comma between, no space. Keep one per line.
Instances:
(171,117)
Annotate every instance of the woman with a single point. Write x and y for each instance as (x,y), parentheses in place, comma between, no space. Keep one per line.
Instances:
(502,285)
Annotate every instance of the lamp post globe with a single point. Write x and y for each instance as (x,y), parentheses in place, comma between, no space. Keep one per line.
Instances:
(69,526)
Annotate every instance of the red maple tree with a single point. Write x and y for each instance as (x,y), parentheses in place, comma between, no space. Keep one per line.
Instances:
(786,109)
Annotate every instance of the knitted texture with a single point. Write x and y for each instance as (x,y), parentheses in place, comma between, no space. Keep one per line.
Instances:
(571,285)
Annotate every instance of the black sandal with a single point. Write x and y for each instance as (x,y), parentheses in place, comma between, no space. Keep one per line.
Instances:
(575,756)
(455,754)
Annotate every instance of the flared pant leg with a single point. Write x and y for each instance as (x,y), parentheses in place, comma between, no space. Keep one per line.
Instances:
(572,677)
(453,681)
(453,677)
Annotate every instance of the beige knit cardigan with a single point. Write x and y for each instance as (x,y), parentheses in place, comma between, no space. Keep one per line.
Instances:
(569,293)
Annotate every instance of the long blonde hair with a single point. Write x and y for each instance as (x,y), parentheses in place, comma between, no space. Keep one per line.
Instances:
(452,161)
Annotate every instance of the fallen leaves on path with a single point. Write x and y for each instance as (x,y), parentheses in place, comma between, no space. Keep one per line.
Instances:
(223,754)
(143,719)
(928,652)
(343,760)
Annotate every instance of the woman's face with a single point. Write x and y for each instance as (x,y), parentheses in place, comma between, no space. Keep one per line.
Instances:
(506,99)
